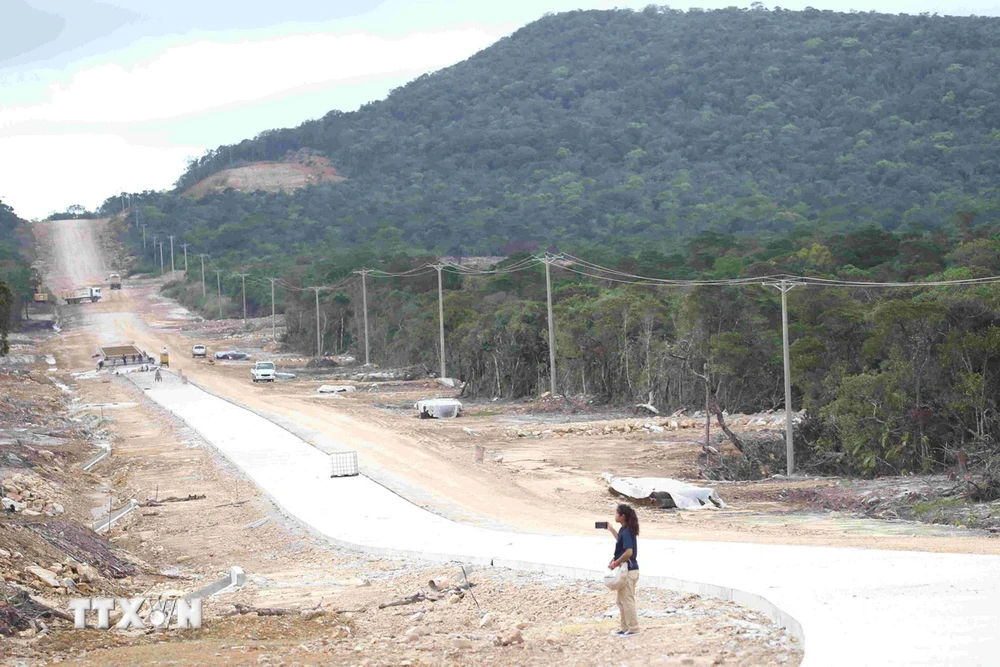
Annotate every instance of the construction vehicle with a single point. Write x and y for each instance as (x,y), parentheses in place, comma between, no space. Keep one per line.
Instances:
(92,294)
(164,358)
(40,296)
(115,280)
(122,355)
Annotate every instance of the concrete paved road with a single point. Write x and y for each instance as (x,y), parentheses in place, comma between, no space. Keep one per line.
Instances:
(850,606)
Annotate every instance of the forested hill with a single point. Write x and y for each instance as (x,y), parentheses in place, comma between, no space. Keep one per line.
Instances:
(638,127)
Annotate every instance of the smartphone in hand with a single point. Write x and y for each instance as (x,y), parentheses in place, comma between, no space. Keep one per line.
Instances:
(600,524)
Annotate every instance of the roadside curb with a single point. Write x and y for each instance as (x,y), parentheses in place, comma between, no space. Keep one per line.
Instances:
(744,598)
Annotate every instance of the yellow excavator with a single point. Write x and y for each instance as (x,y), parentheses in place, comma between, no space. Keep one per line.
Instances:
(40,295)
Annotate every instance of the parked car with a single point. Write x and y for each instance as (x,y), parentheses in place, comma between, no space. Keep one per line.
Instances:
(199,351)
(232,355)
(262,371)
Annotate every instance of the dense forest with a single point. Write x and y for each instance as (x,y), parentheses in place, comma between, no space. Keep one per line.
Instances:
(893,379)
(635,129)
(698,145)
(17,279)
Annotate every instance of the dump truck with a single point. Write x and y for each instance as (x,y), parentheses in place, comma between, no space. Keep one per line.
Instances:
(92,294)
(115,280)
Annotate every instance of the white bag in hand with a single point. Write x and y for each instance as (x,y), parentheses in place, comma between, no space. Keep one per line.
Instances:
(615,579)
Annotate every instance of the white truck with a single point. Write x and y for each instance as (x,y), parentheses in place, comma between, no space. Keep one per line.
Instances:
(116,280)
(92,294)
(262,371)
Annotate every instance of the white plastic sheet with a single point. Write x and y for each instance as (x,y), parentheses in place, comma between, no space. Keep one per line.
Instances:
(438,408)
(685,496)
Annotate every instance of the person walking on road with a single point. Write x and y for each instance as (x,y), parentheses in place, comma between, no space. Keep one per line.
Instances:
(157,377)
(626,550)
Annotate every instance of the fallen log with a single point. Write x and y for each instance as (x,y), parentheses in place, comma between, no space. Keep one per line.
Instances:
(173,499)
(419,596)
(264,611)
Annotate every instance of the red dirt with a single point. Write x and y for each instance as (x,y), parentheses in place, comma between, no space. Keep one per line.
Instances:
(286,176)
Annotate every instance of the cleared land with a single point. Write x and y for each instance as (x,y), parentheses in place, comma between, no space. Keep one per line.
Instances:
(182,545)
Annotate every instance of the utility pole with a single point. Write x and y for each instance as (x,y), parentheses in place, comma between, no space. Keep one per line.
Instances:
(364,302)
(784,286)
(202,255)
(171,254)
(547,260)
(708,414)
(439,267)
(154,247)
(274,338)
(243,277)
(319,343)
(186,257)
(161,258)
(143,233)
(218,283)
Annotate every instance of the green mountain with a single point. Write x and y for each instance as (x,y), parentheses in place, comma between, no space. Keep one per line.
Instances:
(634,128)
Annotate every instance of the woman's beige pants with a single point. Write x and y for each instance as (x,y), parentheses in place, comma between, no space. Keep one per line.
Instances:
(626,602)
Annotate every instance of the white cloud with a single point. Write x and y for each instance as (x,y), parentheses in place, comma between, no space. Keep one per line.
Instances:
(51,172)
(206,75)
(83,140)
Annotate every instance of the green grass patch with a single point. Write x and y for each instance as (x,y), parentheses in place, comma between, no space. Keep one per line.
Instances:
(483,412)
(925,507)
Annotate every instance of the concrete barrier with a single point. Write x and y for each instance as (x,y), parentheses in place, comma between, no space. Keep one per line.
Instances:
(110,519)
(105,453)
(232,582)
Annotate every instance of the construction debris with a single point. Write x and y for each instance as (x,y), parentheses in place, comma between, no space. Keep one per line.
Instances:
(336,388)
(438,408)
(669,493)
(85,547)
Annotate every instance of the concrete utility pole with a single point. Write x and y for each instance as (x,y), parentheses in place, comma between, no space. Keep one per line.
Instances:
(364,302)
(547,260)
(171,254)
(441,316)
(708,414)
(274,338)
(784,286)
(243,277)
(185,257)
(154,247)
(143,233)
(218,283)
(202,255)
(319,341)
(161,258)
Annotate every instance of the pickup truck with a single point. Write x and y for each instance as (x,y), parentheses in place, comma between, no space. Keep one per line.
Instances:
(262,371)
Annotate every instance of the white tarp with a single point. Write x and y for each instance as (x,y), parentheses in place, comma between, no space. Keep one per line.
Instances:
(685,496)
(438,408)
(336,388)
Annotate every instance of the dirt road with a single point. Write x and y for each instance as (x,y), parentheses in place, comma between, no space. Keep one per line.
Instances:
(187,544)
(544,485)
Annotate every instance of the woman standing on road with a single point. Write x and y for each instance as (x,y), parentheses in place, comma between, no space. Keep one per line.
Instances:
(626,550)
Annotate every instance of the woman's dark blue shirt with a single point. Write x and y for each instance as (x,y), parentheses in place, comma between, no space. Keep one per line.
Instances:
(626,540)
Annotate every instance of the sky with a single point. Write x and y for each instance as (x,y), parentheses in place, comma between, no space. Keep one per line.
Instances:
(110,96)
